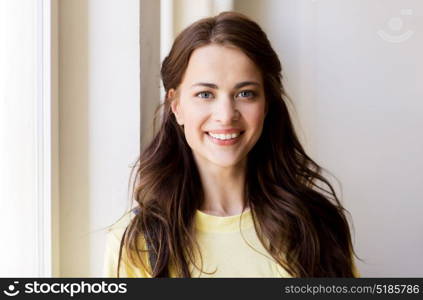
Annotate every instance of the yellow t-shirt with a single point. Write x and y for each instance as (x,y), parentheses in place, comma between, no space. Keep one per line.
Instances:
(229,246)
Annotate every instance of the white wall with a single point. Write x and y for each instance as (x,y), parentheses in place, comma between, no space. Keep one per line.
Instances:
(26,143)
(356,89)
(18,123)
(99,124)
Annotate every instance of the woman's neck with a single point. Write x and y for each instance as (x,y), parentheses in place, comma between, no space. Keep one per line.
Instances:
(223,189)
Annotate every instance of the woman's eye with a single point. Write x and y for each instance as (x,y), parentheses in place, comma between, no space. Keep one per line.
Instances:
(205,95)
(246,94)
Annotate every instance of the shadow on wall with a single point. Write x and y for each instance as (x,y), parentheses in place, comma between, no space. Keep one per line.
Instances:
(74,151)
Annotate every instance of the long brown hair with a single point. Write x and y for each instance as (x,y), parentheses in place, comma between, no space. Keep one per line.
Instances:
(292,204)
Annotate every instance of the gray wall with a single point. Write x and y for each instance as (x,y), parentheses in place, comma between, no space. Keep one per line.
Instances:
(352,69)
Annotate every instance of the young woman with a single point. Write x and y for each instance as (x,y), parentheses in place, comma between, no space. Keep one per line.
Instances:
(225,189)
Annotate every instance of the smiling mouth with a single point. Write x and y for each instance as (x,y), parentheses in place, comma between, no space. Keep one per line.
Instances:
(225,137)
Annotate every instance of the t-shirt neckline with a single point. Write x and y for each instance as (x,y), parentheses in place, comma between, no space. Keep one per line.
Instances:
(211,223)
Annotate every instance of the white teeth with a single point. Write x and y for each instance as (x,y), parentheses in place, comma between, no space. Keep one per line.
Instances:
(224,136)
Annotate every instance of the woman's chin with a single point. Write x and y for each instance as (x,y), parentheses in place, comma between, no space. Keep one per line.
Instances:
(218,160)
(226,162)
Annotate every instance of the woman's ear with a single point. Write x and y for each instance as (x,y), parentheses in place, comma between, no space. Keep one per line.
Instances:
(174,105)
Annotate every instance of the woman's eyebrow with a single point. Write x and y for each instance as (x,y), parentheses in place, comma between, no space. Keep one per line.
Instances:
(237,86)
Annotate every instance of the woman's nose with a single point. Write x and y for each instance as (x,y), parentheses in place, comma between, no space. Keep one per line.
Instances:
(225,111)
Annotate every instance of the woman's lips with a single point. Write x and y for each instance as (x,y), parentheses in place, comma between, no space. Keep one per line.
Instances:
(225,142)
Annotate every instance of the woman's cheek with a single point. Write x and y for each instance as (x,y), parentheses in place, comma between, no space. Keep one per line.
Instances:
(255,115)
(194,120)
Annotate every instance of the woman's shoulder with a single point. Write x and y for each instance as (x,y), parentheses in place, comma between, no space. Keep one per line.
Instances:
(118,228)
(115,234)
(116,231)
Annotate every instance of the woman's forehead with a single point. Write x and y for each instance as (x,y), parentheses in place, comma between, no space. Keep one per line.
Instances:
(220,65)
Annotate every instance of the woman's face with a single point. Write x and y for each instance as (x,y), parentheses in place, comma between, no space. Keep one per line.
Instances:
(221,104)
